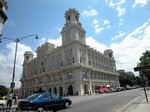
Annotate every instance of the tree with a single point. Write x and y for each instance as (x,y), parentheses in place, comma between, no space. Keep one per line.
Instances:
(127,78)
(138,80)
(3,90)
(145,60)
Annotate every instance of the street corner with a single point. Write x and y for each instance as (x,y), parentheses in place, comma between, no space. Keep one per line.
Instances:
(139,104)
(142,107)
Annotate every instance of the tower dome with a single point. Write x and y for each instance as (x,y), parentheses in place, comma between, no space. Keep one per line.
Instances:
(72,30)
(28,56)
(72,16)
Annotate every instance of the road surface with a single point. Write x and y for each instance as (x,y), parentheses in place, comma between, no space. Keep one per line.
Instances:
(105,103)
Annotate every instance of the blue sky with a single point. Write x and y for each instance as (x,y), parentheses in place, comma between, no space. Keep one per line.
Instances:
(122,25)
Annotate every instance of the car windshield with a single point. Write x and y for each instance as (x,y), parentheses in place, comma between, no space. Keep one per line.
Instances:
(32,97)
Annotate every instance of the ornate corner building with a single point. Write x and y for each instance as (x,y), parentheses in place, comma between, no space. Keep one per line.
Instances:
(3,16)
(73,68)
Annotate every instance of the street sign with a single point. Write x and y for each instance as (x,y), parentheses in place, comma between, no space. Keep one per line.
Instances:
(142,68)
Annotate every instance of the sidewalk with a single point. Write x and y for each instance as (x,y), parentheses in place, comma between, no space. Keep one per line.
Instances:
(139,104)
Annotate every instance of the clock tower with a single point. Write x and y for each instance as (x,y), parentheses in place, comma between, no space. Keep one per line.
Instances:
(72,29)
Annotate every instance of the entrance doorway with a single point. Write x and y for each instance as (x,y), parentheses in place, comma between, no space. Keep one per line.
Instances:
(60,91)
(50,90)
(55,90)
(70,90)
(85,89)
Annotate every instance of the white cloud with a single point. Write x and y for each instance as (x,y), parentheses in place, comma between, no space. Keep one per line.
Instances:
(6,63)
(97,27)
(106,23)
(95,21)
(118,6)
(119,34)
(121,11)
(91,12)
(42,41)
(59,29)
(56,42)
(128,51)
(94,44)
(140,3)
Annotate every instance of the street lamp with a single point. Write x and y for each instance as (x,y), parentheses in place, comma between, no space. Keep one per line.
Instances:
(17,40)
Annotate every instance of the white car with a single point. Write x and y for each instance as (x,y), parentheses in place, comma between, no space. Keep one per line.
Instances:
(2,103)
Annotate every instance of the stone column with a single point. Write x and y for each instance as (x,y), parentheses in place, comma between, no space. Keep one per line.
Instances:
(90,83)
(79,82)
(77,55)
(87,59)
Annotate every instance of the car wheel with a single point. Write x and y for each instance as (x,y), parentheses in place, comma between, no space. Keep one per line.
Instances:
(40,109)
(67,105)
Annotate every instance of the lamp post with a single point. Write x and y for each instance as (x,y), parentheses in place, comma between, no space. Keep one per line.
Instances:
(142,69)
(17,40)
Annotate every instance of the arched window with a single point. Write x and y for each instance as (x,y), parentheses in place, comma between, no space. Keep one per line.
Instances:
(68,17)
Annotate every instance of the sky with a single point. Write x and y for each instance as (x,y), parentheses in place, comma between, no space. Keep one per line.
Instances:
(120,25)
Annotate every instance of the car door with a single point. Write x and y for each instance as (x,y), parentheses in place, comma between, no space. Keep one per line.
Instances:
(57,102)
(46,101)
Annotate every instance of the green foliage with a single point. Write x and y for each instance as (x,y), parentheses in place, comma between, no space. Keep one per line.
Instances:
(145,58)
(138,80)
(129,79)
(3,91)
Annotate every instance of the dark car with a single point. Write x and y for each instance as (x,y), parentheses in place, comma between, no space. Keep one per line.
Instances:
(44,101)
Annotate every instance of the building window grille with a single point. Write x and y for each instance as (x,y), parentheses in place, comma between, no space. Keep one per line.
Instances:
(85,75)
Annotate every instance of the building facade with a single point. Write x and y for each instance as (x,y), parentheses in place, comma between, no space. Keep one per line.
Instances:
(3,16)
(71,69)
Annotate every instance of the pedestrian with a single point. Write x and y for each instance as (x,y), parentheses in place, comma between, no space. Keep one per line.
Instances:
(14,98)
(9,101)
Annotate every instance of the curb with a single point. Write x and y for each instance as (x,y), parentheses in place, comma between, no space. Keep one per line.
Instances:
(123,109)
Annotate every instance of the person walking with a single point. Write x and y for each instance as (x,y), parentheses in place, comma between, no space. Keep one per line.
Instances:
(9,101)
(14,99)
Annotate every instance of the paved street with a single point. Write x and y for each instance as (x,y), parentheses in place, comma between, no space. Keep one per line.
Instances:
(104,103)
(111,102)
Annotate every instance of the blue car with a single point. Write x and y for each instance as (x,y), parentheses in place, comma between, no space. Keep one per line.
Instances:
(44,101)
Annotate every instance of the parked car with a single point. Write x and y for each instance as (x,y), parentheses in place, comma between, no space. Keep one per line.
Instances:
(103,89)
(44,101)
(2,103)
(128,87)
(120,89)
(113,89)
